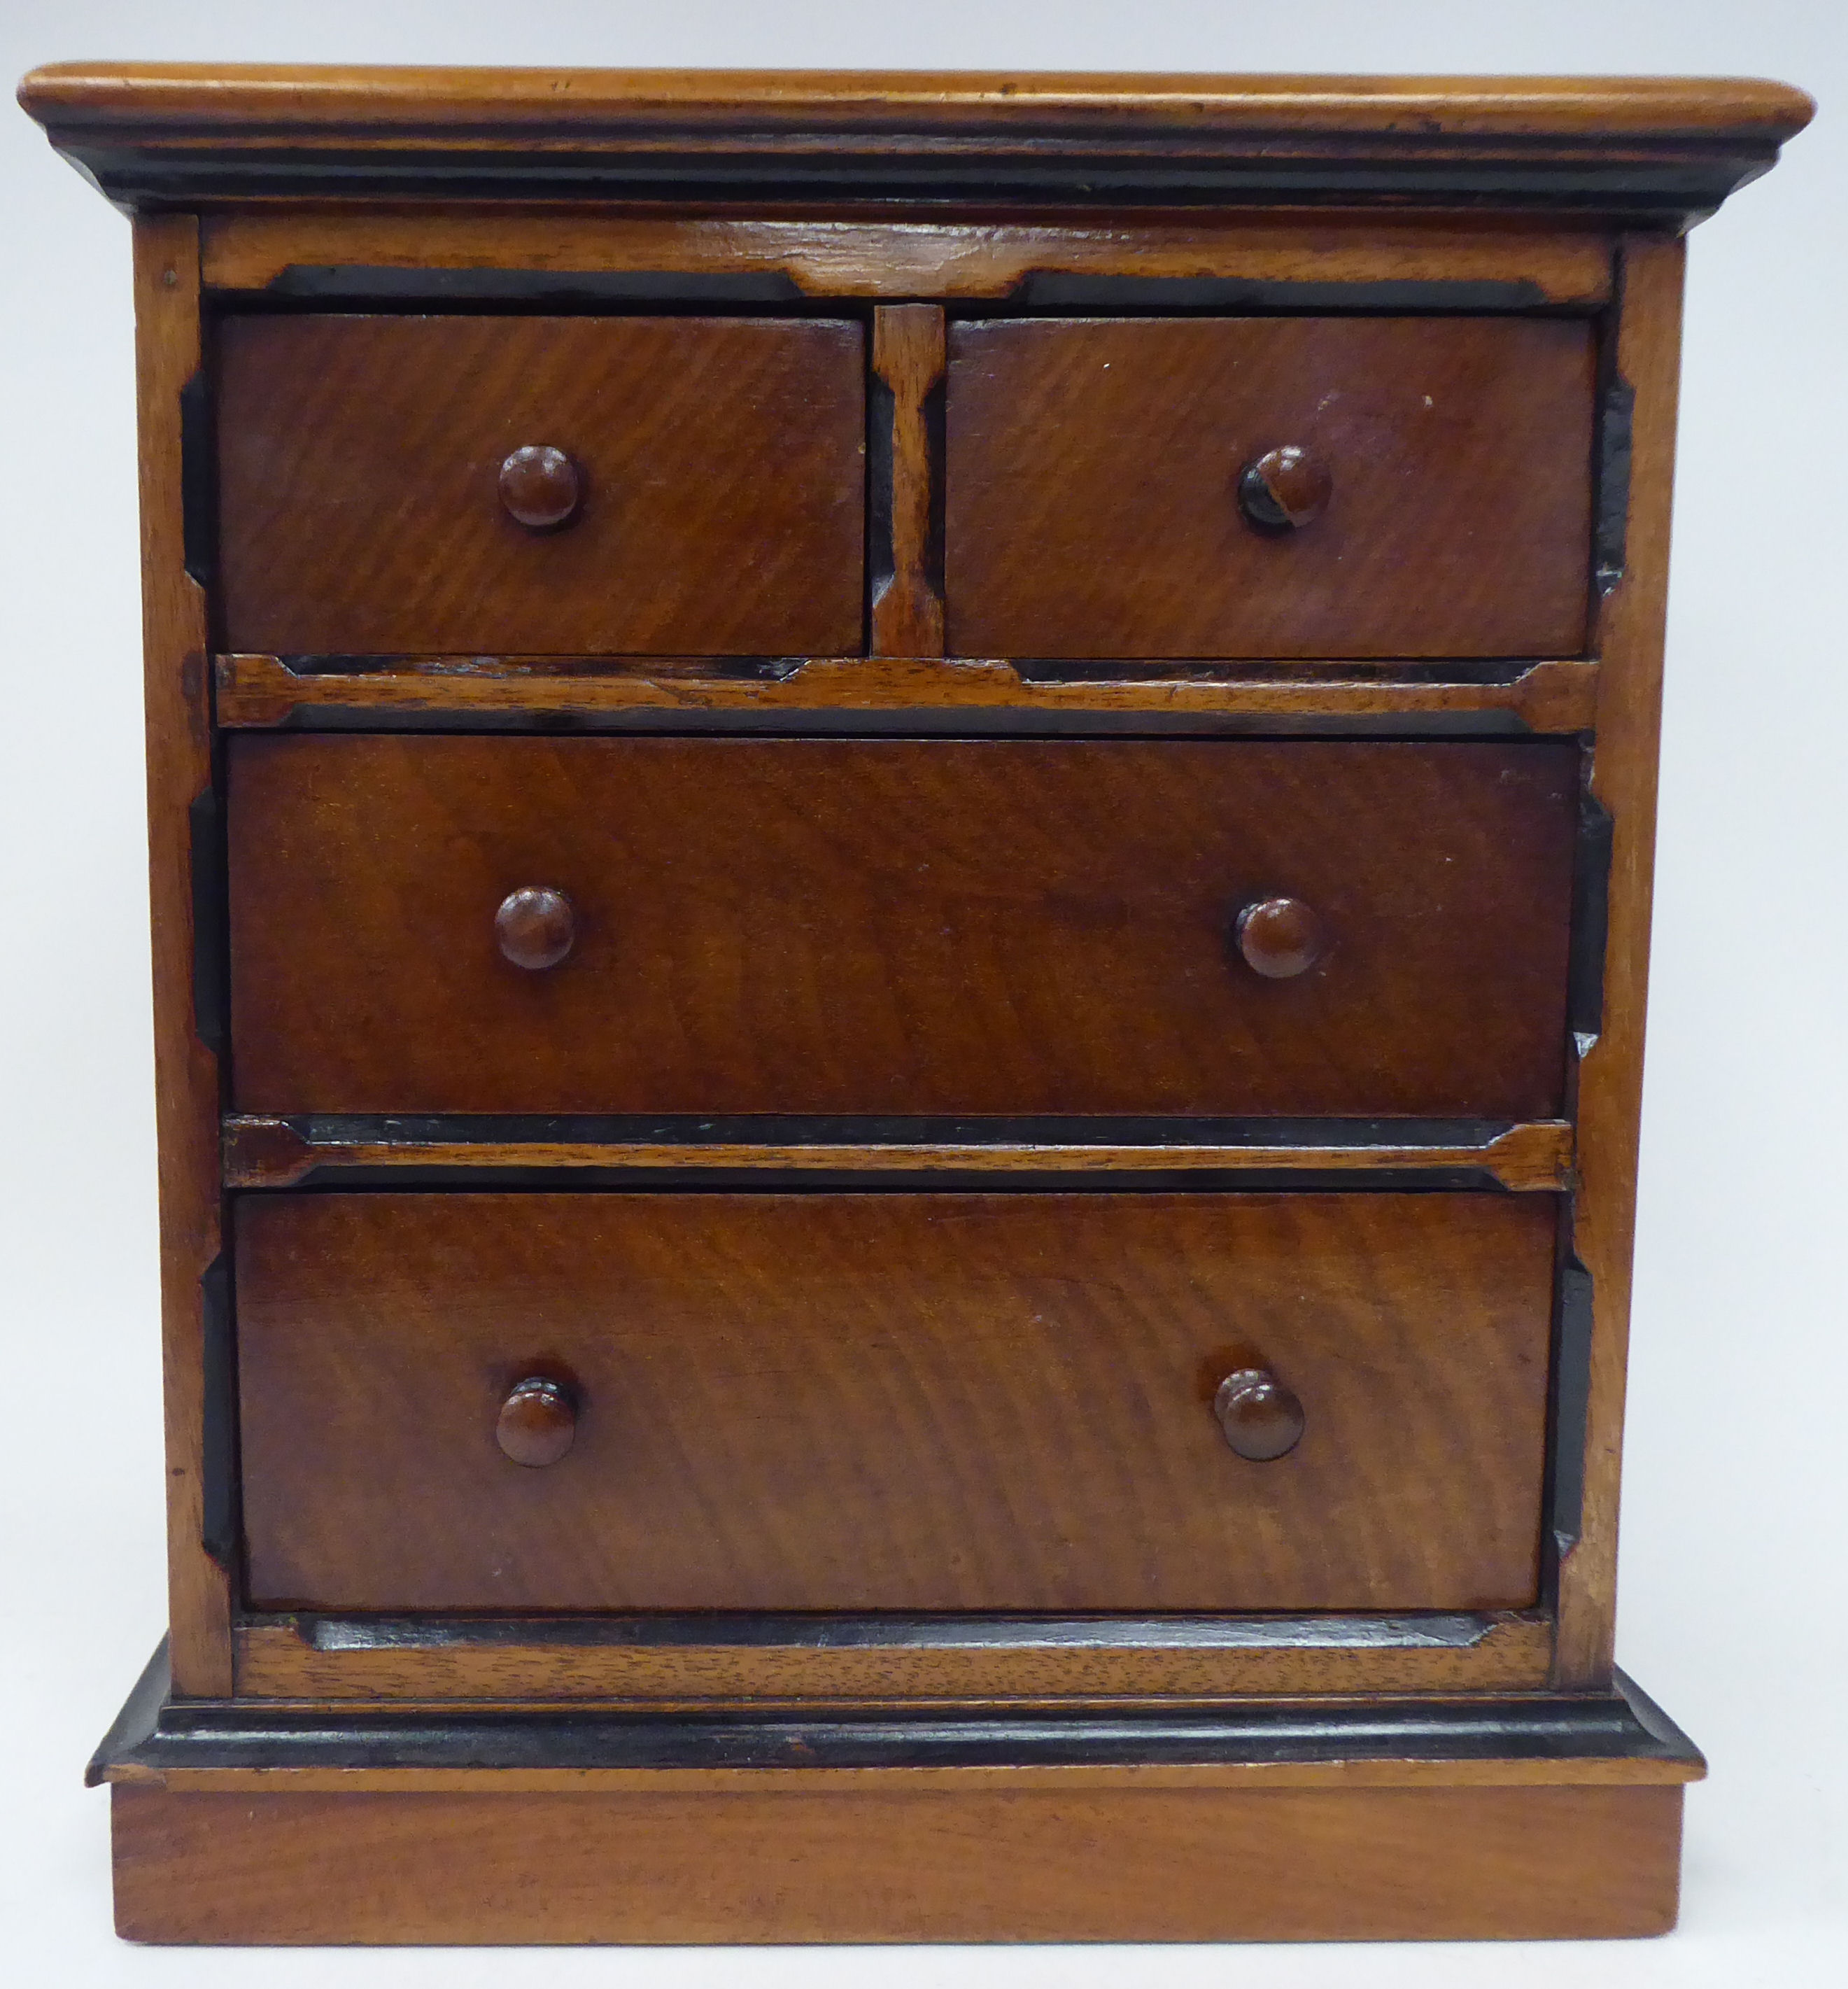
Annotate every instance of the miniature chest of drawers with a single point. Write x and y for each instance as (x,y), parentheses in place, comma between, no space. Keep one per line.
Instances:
(901,832)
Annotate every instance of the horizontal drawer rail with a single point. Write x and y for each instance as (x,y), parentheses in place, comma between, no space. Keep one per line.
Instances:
(278,1152)
(264,692)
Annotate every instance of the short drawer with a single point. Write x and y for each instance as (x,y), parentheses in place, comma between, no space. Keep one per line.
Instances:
(496,925)
(385,486)
(1096,468)
(878,1401)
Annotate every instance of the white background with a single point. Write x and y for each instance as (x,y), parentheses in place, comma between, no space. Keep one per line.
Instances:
(1736,1492)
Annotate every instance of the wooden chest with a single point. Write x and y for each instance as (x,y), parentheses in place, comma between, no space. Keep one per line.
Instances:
(901,832)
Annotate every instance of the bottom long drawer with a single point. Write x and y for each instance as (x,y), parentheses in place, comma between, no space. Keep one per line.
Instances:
(886,1401)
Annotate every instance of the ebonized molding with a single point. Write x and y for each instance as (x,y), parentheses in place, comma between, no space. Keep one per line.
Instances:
(154,1735)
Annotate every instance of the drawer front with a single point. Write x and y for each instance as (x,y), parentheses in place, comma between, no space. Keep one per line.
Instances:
(863,927)
(718,467)
(1094,473)
(872,1401)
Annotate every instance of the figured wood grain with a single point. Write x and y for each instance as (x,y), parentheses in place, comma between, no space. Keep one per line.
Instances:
(514,192)
(721,460)
(1026,1662)
(178,692)
(991,1863)
(906,615)
(846,253)
(1093,467)
(1609,1073)
(948,1402)
(817,926)
(272,1153)
(266,692)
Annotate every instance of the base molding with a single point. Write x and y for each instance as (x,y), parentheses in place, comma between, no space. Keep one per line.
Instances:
(989,1864)
(239,1823)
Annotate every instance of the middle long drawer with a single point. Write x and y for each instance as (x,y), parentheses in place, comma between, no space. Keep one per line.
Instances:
(638,925)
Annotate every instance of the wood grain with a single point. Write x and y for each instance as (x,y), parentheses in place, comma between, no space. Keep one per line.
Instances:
(907,602)
(1609,1074)
(264,692)
(178,698)
(1674,148)
(273,1153)
(915,1454)
(814,925)
(645,1663)
(723,461)
(299,98)
(991,1863)
(846,253)
(1093,466)
(951,1402)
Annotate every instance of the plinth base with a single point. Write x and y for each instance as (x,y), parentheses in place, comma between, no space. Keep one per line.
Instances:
(1418,1821)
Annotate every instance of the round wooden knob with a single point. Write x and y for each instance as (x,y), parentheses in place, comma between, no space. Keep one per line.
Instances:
(537,1422)
(540,488)
(1280,937)
(1261,1418)
(1285,488)
(535,926)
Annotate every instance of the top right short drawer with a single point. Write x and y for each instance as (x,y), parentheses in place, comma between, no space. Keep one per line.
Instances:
(1286,487)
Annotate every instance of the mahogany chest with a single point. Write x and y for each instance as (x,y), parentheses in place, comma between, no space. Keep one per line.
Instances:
(901,833)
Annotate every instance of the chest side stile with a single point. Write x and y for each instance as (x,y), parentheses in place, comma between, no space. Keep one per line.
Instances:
(184,848)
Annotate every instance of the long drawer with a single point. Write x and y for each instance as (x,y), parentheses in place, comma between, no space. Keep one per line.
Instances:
(948,1401)
(635,926)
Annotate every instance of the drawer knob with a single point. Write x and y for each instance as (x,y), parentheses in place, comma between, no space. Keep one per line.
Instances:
(537,1422)
(1285,488)
(536,927)
(1279,937)
(1261,1418)
(540,488)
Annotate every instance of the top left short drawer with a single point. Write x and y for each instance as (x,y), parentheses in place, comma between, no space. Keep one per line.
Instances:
(689,486)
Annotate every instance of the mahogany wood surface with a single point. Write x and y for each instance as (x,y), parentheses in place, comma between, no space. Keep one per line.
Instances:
(1094,469)
(653,1663)
(991,1863)
(1155,499)
(1672,148)
(721,462)
(298,97)
(263,1152)
(1515,262)
(262,692)
(898,927)
(1608,1084)
(906,615)
(927,1402)
(186,1079)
